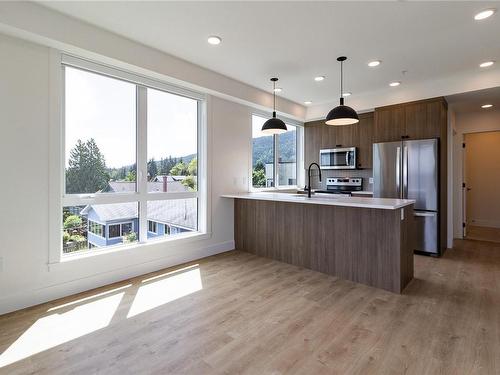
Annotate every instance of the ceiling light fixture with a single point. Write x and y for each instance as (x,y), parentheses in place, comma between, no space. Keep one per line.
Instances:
(278,89)
(319,78)
(394,84)
(487,106)
(214,40)
(307,102)
(374,63)
(486,64)
(274,125)
(342,114)
(484,14)
(346,94)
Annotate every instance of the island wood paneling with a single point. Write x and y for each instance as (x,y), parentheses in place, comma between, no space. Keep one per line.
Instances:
(368,246)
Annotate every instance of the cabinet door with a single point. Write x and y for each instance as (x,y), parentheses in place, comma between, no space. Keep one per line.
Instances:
(365,140)
(312,142)
(389,124)
(423,120)
(346,135)
(437,119)
(416,120)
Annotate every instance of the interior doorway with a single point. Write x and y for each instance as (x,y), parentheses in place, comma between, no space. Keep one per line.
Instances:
(481,190)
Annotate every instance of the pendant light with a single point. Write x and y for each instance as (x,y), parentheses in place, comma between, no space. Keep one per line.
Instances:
(274,125)
(342,114)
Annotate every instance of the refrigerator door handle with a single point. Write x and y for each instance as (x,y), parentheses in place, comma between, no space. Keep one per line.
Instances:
(405,172)
(398,168)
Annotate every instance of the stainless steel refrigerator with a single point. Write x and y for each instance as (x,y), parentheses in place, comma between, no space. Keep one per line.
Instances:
(409,170)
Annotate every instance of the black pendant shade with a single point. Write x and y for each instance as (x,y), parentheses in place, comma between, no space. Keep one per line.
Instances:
(274,125)
(342,114)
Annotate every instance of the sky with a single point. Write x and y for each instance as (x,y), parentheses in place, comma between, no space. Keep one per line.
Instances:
(104,108)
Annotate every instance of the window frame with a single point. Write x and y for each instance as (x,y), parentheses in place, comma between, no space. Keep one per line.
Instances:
(57,195)
(155,226)
(120,231)
(299,149)
(103,228)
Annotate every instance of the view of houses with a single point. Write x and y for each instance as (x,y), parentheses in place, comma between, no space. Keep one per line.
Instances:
(102,225)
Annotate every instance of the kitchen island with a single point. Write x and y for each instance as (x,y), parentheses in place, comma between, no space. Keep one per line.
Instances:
(365,240)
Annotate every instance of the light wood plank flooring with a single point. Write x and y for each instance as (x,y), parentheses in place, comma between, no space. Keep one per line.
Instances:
(239,313)
(483,233)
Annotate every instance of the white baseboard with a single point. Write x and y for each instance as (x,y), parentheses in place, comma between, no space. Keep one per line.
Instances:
(35,297)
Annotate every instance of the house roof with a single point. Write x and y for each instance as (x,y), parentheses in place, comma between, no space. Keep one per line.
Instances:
(178,212)
(169,178)
(173,185)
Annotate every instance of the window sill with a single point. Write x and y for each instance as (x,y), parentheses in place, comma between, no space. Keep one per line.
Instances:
(279,188)
(169,242)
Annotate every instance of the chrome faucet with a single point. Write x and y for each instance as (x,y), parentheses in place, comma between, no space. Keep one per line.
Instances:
(309,188)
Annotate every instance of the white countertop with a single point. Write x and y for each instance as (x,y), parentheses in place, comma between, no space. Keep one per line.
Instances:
(363,192)
(327,199)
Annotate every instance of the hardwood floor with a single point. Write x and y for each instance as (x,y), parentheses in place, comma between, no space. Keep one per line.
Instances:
(483,233)
(239,313)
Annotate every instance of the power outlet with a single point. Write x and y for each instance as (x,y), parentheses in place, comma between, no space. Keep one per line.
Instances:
(370,180)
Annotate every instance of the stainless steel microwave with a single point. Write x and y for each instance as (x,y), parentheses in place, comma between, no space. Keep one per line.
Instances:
(338,158)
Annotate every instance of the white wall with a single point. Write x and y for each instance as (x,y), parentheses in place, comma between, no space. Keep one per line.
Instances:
(26,278)
(45,26)
(488,120)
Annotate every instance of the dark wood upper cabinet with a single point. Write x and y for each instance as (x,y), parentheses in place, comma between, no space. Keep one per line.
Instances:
(389,124)
(312,141)
(413,120)
(364,136)
(424,120)
(319,136)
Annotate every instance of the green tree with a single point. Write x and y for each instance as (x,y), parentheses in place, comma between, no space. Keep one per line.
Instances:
(72,222)
(192,168)
(163,167)
(190,182)
(259,166)
(131,177)
(86,172)
(180,169)
(152,169)
(259,178)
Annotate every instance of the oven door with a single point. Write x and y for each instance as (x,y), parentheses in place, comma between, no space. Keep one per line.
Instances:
(338,158)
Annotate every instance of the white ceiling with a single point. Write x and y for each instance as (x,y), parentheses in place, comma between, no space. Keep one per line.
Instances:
(299,40)
(473,100)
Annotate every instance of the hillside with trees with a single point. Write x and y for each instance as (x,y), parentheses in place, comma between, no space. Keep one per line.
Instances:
(263,148)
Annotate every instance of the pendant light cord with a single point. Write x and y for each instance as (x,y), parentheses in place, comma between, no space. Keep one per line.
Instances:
(341,79)
(274,97)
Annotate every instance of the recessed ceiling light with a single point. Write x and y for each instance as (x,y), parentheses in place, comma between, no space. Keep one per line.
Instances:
(486,64)
(374,63)
(346,94)
(214,39)
(319,78)
(278,89)
(307,102)
(487,106)
(394,84)
(484,14)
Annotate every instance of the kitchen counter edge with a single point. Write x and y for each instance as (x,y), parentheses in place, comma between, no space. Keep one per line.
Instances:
(361,202)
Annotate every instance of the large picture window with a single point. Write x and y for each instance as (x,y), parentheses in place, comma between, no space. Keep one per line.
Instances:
(130,158)
(274,157)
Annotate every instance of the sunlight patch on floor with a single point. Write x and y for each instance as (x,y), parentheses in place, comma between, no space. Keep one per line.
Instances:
(165,288)
(58,328)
